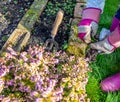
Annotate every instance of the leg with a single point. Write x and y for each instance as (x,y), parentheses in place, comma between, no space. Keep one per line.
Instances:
(111,83)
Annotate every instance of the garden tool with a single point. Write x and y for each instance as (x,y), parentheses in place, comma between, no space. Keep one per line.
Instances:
(51,43)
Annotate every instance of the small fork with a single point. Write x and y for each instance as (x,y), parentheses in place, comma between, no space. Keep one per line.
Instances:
(51,43)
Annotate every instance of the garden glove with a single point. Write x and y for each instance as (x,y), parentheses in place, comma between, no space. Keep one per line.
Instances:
(89,24)
(111,84)
(105,32)
(110,43)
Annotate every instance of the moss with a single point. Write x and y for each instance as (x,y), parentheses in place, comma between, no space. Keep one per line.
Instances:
(77,49)
(33,14)
(76,46)
(29,19)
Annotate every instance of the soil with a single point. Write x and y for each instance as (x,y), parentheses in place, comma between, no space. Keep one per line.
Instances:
(42,28)
(14,11)
(91,55)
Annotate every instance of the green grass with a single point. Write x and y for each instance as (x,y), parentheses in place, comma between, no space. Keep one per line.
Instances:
(105,65)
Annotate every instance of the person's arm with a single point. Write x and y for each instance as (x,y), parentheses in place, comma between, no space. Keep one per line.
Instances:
(112,41)
(96,4)
(90,17)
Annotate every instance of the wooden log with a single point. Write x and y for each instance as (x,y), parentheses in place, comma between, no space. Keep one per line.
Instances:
(25,26)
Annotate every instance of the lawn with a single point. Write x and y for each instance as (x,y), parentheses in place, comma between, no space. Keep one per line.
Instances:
(105,65)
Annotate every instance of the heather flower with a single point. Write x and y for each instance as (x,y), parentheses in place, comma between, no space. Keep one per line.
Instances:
(58,91)
(10,82)
(34,94)
(6,99)
(39,100)
(2,71)
(38,76)
(11,51)
(23,56)
(39,85)
(1,84)
(1,97)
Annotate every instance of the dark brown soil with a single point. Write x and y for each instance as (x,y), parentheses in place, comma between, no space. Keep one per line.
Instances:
(91,55)
(42,28)
(15,10)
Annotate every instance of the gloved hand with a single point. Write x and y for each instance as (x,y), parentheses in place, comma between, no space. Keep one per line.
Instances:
(111,83)
(105,32)
(89,24)
(110,43)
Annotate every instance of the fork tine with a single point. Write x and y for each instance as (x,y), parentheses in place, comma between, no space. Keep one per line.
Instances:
(50,44)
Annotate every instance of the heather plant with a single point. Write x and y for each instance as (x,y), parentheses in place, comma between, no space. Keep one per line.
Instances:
(39,76)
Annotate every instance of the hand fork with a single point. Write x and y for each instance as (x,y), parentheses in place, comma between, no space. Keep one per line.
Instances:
(50,43)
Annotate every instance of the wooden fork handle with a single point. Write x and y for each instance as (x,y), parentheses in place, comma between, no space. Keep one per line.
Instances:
(57,22)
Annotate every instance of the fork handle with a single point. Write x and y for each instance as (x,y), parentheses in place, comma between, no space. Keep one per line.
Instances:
(57,23)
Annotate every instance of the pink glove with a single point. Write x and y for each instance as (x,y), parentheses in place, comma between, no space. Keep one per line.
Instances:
(89,24)
(110,43)
(111,83)
(104,32)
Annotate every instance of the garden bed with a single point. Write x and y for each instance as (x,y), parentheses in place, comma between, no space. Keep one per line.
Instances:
(42,31)
(35,75)
(14,11)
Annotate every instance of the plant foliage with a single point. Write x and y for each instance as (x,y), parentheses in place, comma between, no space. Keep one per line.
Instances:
(38,76)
